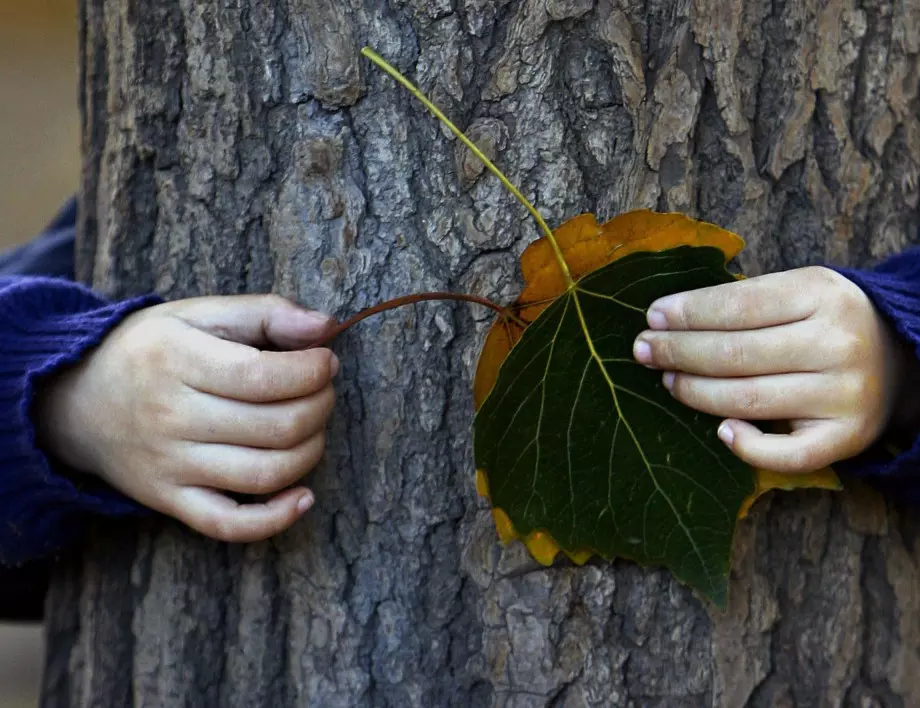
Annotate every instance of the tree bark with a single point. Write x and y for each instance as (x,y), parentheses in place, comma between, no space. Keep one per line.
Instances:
(245,147)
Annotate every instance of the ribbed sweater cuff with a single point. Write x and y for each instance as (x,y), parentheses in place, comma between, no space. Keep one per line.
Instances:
(894,289)
(45,325)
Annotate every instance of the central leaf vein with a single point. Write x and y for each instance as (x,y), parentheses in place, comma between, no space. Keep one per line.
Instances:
(616,402)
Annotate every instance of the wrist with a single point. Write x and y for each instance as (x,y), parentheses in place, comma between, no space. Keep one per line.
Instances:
(57,416)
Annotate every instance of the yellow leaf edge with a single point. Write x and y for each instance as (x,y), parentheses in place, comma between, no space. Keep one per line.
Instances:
(768,481)
(541,545)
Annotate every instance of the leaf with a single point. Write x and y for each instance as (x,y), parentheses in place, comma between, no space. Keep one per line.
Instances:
(584,445)
(611,441)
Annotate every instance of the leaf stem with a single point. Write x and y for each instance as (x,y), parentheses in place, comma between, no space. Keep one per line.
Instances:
(412,299)
(392,71)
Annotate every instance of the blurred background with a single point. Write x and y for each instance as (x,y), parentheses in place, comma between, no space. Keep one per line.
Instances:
(39,117)
(39,168)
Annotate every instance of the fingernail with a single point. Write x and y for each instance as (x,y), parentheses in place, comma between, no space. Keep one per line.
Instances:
(642,351)
(726,434)
(334,365)
(306,501)
(656,319)
(667,380)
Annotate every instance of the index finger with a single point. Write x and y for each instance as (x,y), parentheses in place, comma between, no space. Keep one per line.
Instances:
(237,371)
(764,301)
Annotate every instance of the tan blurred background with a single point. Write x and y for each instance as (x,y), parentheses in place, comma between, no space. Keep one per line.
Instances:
(39,118)
(39,167)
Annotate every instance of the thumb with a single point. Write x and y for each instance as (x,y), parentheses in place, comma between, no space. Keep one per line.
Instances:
(213,514)
(257,320)
(807,448)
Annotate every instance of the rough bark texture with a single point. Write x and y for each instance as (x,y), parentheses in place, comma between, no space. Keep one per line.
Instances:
(242,145)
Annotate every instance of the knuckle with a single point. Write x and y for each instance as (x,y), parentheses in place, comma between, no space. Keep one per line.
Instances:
(287,432)
(217,526)
(663,351)
(306,420)
(683,389)
(313,453)
(148,348)
(319,444)
(829,283)
(733,352)
(316,368)
(847,347)
(736,306)
(310,419)
(819,274)
(267,478)
(328,401)
(195,469)
(678,313)
(748,399)
(311,373)
(848,299)
(261,378)
(840,292)
(252,369)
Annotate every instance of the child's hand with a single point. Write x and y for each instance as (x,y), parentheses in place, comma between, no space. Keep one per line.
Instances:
(805,346)
(179,404)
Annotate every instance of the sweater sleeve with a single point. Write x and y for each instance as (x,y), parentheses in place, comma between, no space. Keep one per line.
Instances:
(894,288)
(46,324)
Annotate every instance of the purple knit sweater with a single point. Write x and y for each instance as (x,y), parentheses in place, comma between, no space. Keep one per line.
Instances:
(46,324)
(894,288)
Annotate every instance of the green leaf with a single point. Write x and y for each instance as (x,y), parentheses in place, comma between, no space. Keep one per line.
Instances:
(581,442)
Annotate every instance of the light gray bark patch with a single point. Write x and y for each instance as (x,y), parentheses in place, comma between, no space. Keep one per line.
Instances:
(321,60)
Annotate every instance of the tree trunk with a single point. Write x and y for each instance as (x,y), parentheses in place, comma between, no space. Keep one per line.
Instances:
(245,147)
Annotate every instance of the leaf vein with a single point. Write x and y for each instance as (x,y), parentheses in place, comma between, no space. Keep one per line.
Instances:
(568,441)
(612,299)
(549,361)
(639,448)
